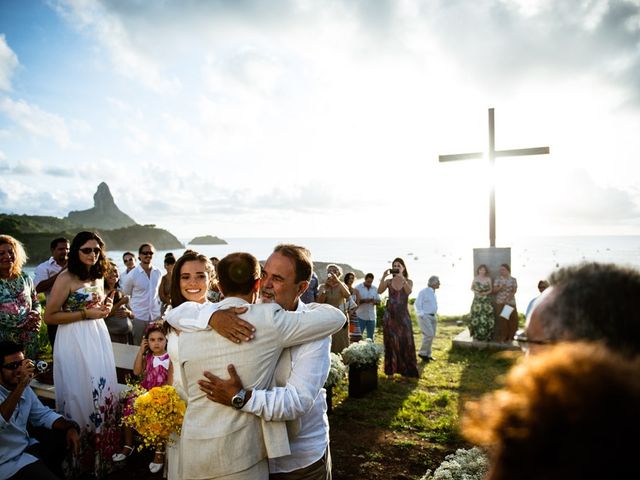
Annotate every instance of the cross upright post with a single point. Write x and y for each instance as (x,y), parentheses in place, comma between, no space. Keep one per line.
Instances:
(492,154)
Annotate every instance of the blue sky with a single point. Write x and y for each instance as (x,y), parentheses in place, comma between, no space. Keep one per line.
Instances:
(323,118)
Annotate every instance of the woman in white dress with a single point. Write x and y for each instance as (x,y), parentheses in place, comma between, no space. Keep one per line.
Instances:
(84,370)
(189,283)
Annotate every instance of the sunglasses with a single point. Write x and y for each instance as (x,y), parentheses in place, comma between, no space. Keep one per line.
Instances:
(88,250)
(128,260)
(13,365)
(146,253)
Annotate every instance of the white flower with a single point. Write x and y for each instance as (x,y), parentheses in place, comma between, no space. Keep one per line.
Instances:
(469,464)
(362,353)
(336,372)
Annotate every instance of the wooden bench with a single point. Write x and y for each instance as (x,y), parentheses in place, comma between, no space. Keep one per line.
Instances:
(124,356)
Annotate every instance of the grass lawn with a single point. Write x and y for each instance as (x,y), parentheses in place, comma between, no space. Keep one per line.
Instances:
(409,425)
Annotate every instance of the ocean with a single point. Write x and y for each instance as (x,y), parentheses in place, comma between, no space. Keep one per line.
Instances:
(532,259)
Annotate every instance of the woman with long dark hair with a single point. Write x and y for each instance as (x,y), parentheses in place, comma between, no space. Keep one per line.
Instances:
(84,370)
(190,281)
(399,346)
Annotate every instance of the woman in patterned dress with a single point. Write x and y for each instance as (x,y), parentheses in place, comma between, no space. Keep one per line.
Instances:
(397,331)
(84,370)
(20,313)
(482,317)
(504,288)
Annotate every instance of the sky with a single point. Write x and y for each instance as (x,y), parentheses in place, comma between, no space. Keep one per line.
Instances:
(303,118)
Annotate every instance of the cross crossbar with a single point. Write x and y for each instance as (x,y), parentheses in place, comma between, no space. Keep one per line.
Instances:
(492,154)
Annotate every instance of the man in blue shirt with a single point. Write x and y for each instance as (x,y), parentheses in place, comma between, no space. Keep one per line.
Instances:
(20,406)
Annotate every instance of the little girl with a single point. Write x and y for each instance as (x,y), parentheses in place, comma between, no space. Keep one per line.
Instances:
(153,361)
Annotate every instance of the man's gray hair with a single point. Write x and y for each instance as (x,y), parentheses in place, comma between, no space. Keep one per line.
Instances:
(433,280)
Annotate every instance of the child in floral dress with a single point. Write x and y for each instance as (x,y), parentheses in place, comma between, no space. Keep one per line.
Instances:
(153,361)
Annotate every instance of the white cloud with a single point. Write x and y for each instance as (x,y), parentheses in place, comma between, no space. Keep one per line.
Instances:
(37,121)
(125,50)
(8,64)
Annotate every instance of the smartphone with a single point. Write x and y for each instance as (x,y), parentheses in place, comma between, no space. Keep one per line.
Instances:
(394,271)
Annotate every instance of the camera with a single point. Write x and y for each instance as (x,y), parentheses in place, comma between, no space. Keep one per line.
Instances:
(394,271)
(41,366)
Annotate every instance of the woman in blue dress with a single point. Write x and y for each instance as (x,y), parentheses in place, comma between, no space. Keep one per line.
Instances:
(84,370)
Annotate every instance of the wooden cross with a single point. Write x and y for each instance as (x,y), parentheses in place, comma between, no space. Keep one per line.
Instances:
(492,158)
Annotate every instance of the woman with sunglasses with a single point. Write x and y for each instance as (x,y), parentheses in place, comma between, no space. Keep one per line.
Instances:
(84,370)
(19,308)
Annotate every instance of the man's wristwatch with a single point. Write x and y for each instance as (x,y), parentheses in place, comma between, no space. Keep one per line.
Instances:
(238,400)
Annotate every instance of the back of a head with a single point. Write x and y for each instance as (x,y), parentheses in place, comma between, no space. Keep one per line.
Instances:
(595,302)
(561,415)
(237,273)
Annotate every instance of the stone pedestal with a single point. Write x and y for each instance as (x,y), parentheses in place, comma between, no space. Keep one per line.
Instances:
(362,380)
(492,257)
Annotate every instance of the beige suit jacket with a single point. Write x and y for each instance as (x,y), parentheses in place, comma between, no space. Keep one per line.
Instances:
(218,440)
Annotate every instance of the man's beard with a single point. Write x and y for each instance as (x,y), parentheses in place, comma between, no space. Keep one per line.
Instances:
(267,296)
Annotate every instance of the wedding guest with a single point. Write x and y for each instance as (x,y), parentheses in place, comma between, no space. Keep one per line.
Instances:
(506,314)
(129,260)
(589,301)
(164,291)
(366,311)
(84,369)
(21,456)
(46,273)
(350,307)
(397,331)
(334,292)
(482,316)
(542,286)
(119,319)
(565,414)
(311,293)
(153,363)
(141,285)
(426,309)
(20,312)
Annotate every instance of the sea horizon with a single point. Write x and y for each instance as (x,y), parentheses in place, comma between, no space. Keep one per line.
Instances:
(451,258)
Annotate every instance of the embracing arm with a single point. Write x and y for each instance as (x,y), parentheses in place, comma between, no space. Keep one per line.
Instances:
(279,403)
(318,321)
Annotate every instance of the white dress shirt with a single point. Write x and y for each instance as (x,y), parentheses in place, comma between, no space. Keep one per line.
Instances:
(45,271)
(367,311)
(143,293)
(426,304)
(303,398)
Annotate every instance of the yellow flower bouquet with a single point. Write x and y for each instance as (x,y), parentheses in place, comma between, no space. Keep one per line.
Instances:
(156,414)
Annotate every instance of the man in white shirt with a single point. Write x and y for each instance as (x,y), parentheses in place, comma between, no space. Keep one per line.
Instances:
(141,284)
(46,273)
(426,308)
(212,451)
(366,311)
(301,399)
(129,260)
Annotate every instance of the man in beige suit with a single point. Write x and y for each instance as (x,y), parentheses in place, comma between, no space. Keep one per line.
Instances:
(222,442)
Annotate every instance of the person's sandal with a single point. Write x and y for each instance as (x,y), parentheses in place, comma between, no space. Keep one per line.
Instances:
(156,467)
(118,457)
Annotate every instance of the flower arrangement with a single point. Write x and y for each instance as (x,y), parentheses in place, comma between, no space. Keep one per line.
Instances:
(155,415)
(471,464)
(362,354)
(336,371)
